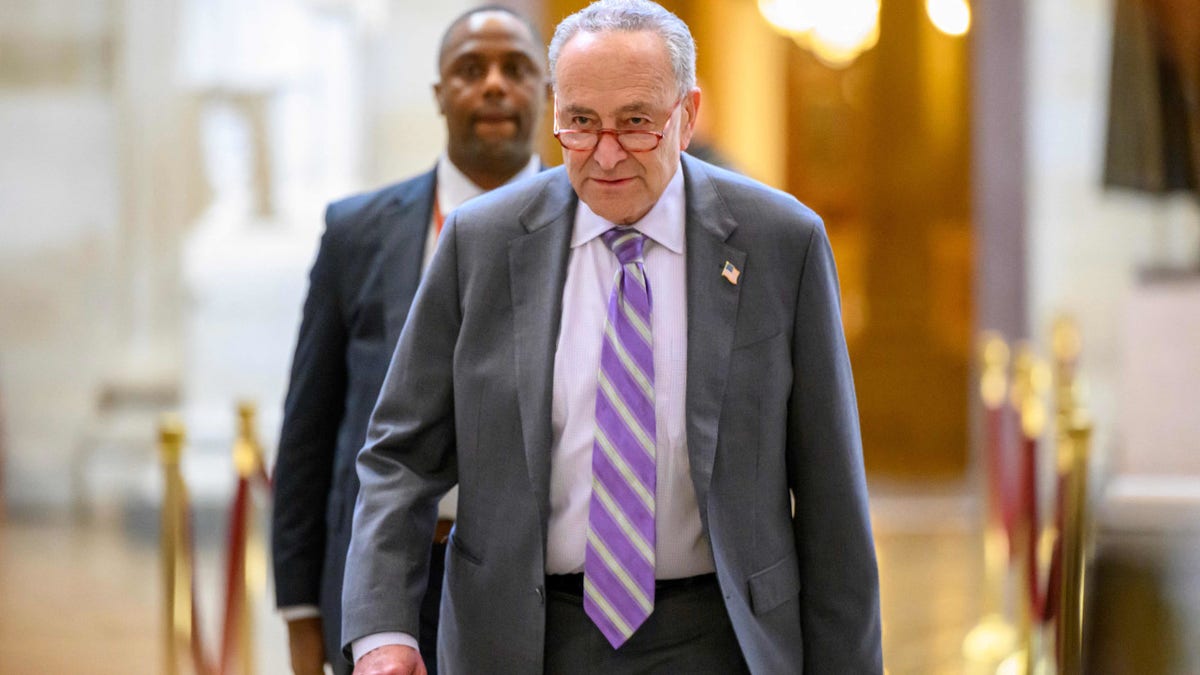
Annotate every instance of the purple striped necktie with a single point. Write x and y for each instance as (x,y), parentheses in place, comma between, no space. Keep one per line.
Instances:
(619,564)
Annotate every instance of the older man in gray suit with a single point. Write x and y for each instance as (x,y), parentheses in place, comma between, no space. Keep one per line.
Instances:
(634,369)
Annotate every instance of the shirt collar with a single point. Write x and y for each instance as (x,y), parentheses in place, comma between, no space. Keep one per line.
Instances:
(454,188)
(663,223)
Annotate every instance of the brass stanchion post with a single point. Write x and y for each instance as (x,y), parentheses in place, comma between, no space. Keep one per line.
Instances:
(993,637)
(1066,344)
(1077,451)
(177,600)
(247,558)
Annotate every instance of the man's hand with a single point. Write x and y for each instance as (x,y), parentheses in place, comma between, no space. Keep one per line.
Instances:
(390,660)
(307,647)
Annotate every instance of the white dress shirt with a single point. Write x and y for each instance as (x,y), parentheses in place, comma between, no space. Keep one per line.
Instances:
(681,548)
(454,189)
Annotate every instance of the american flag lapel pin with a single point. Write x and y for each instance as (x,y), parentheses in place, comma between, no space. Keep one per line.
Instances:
(731,273)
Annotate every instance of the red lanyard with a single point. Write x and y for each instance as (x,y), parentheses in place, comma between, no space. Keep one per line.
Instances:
(438,218)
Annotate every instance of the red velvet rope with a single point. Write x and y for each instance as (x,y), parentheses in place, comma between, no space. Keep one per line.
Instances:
(1043,599)
(1050,599)
(235,572)
(1029,516)
(1000,497)
(235,567)
(199,653)
(263,479)
(1017,506)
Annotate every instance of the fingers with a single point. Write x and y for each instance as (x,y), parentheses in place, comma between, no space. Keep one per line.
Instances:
(306,647)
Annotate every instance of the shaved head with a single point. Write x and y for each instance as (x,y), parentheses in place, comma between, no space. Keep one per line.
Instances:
(458,25)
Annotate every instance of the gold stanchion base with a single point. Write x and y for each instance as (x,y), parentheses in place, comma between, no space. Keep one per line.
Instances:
(990,641)
(1015,665)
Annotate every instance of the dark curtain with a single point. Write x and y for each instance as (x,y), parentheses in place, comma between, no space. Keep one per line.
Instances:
(1154,97)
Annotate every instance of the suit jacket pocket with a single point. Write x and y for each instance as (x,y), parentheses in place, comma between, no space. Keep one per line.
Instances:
(463,552)
(756,337)
(774,585)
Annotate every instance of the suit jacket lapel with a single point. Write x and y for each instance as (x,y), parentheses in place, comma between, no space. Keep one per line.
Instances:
(407,221)
(712,304)
(538,270)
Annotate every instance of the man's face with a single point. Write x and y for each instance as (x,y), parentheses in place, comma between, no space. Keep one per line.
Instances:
(492,89)
(622,80)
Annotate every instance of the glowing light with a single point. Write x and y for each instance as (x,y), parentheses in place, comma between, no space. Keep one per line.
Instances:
(835,31)
(843,30)
(788,16)
(952,17)
(848,23)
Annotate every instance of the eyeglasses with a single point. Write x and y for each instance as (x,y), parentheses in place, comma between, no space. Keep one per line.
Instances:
(631,140)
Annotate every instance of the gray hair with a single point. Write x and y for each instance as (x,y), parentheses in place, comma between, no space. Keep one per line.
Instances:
(606,16)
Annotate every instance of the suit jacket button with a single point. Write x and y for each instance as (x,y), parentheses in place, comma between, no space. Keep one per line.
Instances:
(541,593)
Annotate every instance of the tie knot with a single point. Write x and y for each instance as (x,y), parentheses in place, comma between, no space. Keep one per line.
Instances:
(626,243)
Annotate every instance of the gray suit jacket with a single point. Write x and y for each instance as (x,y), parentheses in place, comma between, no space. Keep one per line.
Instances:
(771,414)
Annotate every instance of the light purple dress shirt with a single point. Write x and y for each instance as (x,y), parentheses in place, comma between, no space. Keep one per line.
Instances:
(681,548)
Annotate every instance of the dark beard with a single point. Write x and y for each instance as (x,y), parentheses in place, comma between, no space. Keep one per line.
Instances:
(504,156)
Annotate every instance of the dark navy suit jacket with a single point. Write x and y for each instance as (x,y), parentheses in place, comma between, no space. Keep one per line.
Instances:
(361,287)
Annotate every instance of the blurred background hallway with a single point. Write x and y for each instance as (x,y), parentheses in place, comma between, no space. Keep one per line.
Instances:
(85,597)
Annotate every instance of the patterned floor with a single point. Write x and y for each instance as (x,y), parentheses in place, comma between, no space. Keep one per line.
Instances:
(83,598)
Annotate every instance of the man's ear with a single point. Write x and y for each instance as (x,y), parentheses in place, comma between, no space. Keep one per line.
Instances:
(437,98)
(691,107)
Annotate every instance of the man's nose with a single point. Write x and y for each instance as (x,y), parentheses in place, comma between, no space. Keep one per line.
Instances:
(495,83)
(608,152)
